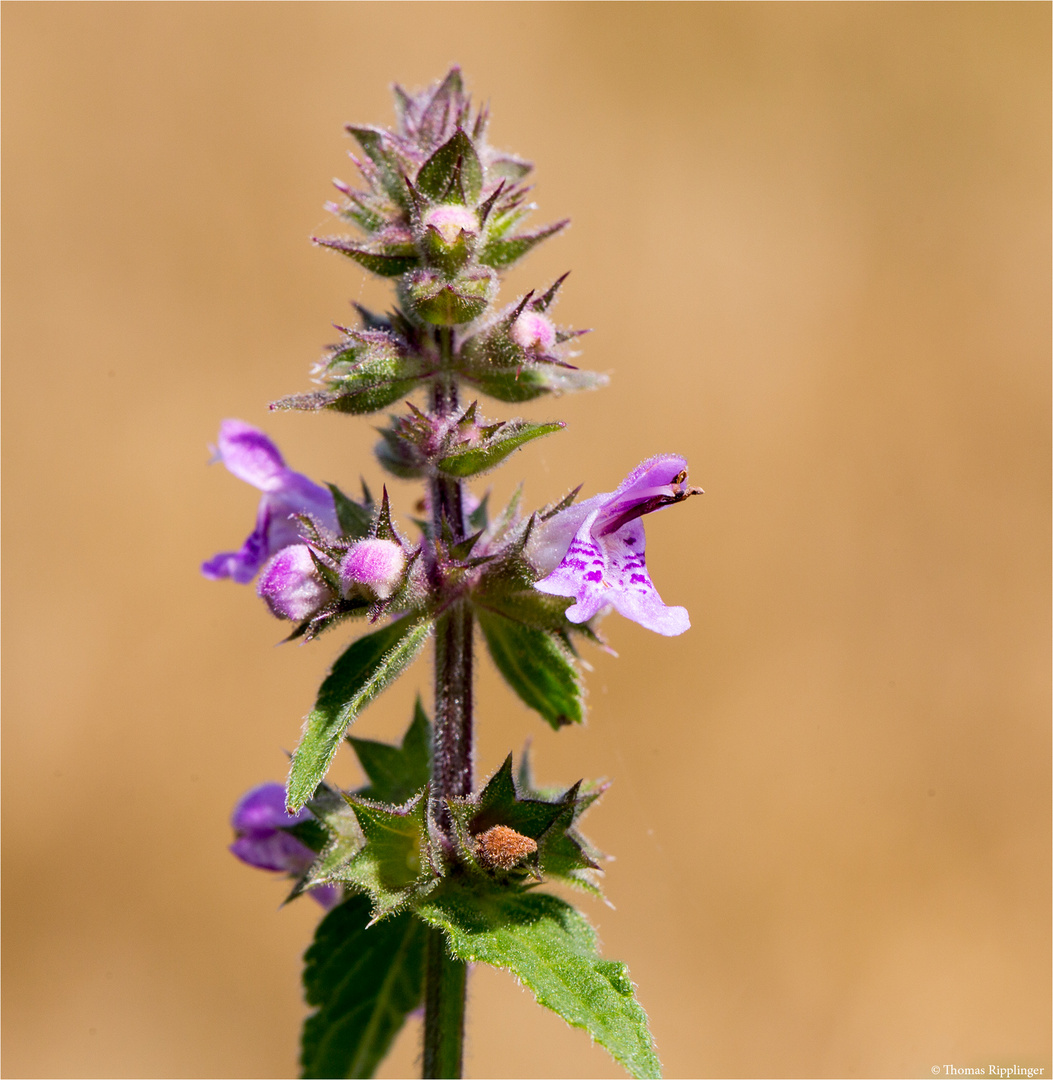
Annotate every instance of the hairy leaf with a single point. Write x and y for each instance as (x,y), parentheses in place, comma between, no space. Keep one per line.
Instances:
(363,983)
(395,864)
(397,772)
(384,260)
(357,677)
(515,383)
(501,252)
(537,665)
(467,460)
(353,517)
(456,160)
(551,949)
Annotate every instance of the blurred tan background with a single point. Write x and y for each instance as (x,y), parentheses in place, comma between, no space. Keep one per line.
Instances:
(814,241)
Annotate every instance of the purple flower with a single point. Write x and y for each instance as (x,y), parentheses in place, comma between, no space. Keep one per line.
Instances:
(252,457)
(259,821)
(375,563)
(291,585)
(594,550)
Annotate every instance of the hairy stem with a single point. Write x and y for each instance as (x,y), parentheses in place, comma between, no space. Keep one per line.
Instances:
(444,997)
(451,767)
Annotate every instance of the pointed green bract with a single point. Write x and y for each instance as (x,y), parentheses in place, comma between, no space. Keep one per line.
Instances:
(501,252)
(395,864)
(344,836)
(515,383)
(363,671)
(546,817)
(396,773)
(537,665)
(453,171)
(467,461)
(551,949)
(363,983)
(353,517)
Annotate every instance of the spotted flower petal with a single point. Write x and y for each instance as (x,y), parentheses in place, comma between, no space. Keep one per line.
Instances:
(594,550)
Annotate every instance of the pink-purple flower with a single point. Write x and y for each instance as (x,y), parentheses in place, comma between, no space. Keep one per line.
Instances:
(261,838)
(291,586)
(374,563)
(594,550)
(251,456)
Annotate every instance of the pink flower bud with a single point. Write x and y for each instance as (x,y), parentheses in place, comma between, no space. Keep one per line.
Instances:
(450,221)
(533,332)
(377,564)
(291,586)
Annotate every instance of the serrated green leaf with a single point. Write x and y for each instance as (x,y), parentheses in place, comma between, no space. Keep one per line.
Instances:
(501,251)
(363,671)
(537,665)
(466,460)
(363,983)
(354,519)
(455,159)
(396,773)
(551,949)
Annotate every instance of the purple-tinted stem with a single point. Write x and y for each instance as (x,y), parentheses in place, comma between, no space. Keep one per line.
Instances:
(451,762)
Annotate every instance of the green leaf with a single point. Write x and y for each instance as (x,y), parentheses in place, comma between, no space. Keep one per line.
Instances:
(383,260)
(524,382)
(363,983)
(456,160)
(354,519)
(363,671)
(378,145)
(551,949)
(479,518)
(368,371)
(396,773)
(468,460)
(501,252)
(527,605)
(537,665)
(345,836)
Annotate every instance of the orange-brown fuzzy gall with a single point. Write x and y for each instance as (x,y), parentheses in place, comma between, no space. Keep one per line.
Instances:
(501,847)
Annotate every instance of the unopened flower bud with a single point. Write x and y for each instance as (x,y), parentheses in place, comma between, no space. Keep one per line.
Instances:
(291,586)
(376,564)
(533,332)
(450,221)
(435,298)
(450,233)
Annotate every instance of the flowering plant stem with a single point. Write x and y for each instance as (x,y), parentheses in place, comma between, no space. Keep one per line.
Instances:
(424,874)
(451,769)
(445,986)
